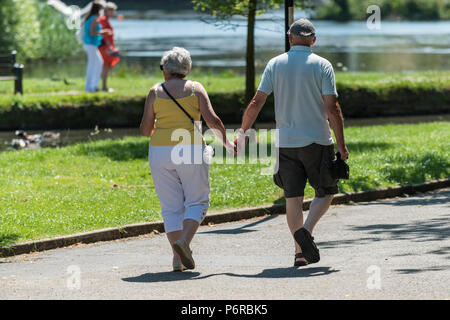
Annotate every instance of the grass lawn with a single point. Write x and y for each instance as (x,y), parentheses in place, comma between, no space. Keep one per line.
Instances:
(50,192)
(130,84)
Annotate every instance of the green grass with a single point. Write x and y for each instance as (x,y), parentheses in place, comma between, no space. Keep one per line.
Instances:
(52,192)
(134,84)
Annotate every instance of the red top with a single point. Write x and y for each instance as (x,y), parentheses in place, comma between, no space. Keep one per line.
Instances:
(109,44)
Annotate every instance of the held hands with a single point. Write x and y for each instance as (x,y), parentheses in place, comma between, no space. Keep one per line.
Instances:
(230,148)
(240,142)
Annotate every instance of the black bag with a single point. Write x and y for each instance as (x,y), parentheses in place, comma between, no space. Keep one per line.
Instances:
(339,169)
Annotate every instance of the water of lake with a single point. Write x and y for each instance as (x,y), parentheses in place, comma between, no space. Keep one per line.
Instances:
(397,46)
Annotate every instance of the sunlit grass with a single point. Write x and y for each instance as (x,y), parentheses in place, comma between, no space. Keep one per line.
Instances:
(108,183)
(228,82)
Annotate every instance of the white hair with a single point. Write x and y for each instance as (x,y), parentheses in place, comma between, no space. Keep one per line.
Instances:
(177,61)
(111,6)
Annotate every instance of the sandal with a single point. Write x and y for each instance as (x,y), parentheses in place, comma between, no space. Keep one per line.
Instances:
(178,266)
(300,263)
(306,242)
(181,247)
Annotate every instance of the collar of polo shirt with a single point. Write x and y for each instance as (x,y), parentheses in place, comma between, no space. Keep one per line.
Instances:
(301,48)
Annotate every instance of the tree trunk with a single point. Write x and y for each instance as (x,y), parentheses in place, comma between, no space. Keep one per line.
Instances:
(345,10)
(250,56)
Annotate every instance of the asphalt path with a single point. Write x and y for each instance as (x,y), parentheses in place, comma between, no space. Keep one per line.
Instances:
(391,249)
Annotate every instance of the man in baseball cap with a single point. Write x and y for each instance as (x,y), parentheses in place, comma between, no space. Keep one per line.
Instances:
(302,28)
(305,109)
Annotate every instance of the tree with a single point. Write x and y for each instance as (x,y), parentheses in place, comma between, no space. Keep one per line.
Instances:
(223,10)
(19,27)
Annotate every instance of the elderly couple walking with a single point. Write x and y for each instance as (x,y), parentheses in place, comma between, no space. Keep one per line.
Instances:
(305,109)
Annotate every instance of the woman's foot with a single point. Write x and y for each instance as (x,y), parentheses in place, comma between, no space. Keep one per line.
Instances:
(178,266)
(182,248)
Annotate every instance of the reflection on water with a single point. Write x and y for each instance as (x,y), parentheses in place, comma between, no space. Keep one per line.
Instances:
(397,46)
(68,137)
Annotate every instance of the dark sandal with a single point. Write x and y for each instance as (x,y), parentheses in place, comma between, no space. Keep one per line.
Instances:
(300,263)
(306,242)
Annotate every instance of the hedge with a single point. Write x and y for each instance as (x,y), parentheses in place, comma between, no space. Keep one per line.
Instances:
(113,110)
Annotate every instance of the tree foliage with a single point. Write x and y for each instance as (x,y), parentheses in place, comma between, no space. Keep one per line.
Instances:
(19,26)
(35,30)
(225,9)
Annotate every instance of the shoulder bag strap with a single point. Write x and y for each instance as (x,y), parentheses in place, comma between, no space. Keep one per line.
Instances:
(179,105)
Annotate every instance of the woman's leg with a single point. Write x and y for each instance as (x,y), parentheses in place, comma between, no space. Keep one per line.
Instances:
(105,72)
(98,68)
(170,194)
(195,181)
(89,68)
(172,237)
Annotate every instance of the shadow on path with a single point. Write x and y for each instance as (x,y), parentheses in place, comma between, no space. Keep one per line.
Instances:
(442,197)
(413,271)
(163,276)
(242,229)
(278,273)
(275,273)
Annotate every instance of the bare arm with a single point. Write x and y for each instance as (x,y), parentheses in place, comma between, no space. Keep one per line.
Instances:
(336,123)
(148,119)
(211,118)
(93,29)
(253,109)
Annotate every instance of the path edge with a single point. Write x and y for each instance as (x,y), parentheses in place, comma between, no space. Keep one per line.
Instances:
(138,229)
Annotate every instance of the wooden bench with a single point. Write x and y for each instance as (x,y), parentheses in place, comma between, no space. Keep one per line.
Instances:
(10,70)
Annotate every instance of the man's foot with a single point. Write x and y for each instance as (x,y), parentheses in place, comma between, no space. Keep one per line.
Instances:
(181,247)
(300,260)
(306,242)
(108,89)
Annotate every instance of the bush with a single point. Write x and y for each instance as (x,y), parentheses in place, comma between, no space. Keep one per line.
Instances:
(56,41)
(19,27)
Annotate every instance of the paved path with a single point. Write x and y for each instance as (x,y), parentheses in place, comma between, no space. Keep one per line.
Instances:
(392,249)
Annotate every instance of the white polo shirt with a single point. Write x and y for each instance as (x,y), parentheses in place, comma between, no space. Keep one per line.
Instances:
(299,79)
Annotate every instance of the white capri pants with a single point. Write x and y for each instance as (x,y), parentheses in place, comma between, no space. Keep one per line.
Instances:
(94,68)
(182,189)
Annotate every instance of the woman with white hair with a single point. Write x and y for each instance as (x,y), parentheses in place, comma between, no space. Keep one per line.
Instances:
(108,50)
(171,117)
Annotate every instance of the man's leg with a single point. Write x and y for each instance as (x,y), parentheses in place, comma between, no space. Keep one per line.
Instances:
(317,209)
(294,216)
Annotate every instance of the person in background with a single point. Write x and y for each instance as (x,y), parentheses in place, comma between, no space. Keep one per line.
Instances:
(92,38)
(108,50)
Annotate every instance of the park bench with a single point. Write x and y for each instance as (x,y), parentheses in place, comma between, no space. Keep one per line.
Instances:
(10,70)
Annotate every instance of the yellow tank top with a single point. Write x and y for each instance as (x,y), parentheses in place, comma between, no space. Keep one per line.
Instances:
(169,118)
